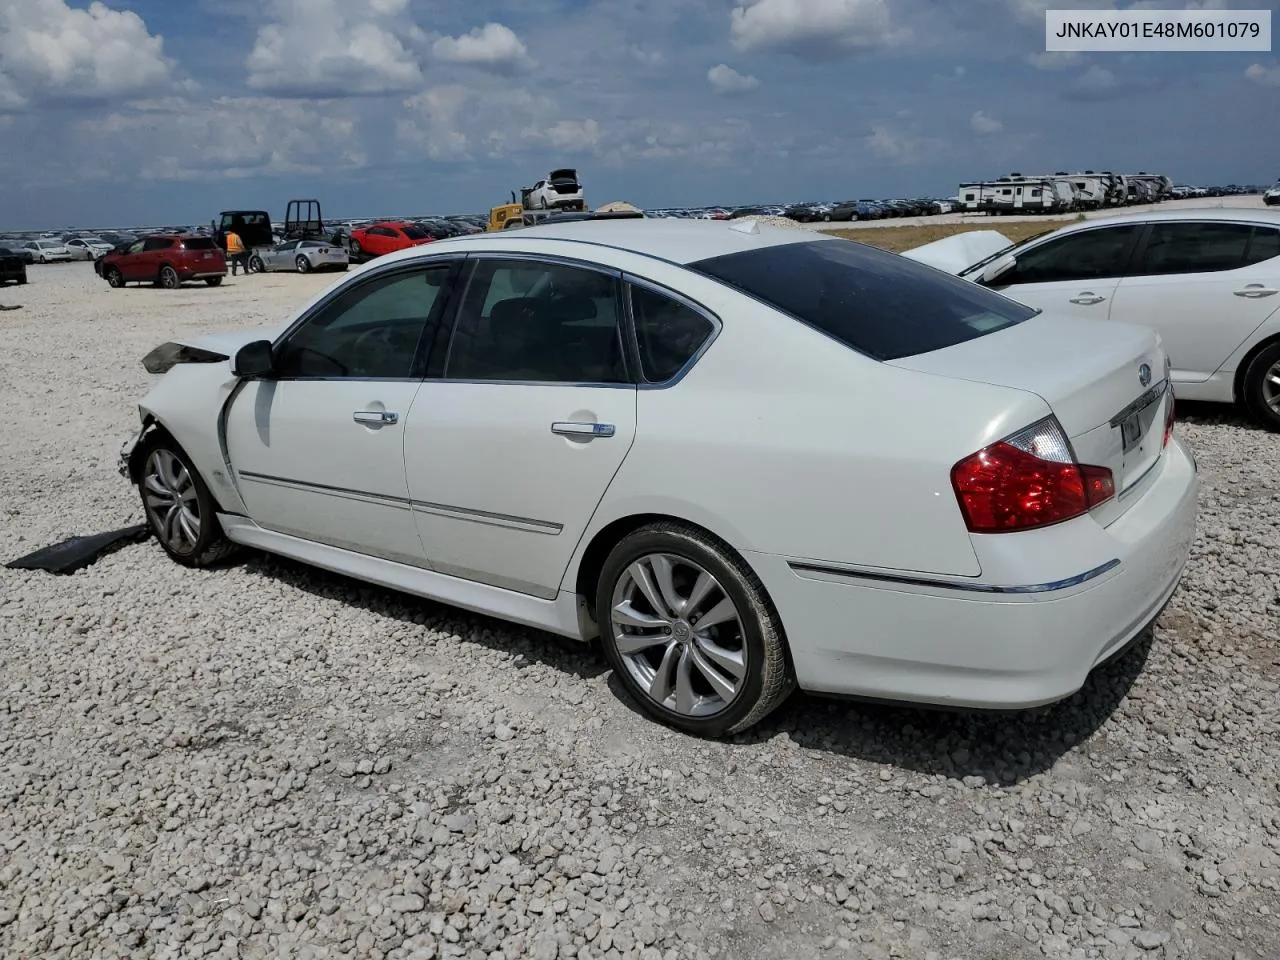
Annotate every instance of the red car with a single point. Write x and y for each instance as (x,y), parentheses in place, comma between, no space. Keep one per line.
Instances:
(166,259)
(379,239)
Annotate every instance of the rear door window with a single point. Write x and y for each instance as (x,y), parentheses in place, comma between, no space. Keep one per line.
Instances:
(1193,247)
(669,333)
(875,302)
(1263,245)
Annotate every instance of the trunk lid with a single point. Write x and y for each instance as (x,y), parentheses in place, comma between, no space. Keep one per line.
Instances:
(1090,373)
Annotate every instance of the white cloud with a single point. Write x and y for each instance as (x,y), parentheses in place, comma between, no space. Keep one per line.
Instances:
(493,46)
(336,47)
(903,146)
(458,123)
(816,28)
(1095,81)
(226,138)
(641,54)
(981,123)
(1054,59)
(726,80)
(50,51)
(1264,76)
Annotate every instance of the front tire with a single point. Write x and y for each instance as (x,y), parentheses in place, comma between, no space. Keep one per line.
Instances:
(1261,387)
(115,278)
(169,278)
(255,265)
(179,508)
(690,632)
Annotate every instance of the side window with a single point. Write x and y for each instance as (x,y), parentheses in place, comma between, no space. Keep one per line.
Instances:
(288,247)
(157,243)
(1263,245)
(1194,247)
(371,331)
(668,332)
(539,322)
(136,246)
(1088,255)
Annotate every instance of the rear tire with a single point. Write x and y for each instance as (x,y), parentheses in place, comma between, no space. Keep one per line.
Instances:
(179,508)
(115,278)
(710,681)
(1261,387)
(169,278)
(213,281)
(303,264)
(356,252)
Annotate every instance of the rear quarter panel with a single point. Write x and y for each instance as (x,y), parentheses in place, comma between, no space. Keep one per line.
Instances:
(782,441)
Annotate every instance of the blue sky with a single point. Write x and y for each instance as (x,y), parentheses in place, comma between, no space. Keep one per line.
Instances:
(167,111)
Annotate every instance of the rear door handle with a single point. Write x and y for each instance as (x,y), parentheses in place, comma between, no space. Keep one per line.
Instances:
(582,430)
(375,418)
(1256,291)
(1087,299)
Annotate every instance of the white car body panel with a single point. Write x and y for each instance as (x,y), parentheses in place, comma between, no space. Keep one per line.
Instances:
(1201,316)
(954,253)
(827,471)
(281,437)
(498,496)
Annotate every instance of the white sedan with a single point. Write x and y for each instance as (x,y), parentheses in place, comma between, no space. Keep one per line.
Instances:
(48,251)
(87,248)
(1207,280)
(747,458)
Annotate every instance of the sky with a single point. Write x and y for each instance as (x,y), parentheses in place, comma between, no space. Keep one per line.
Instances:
(119,112)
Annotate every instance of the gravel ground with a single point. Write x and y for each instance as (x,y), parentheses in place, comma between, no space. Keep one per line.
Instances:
(267,761)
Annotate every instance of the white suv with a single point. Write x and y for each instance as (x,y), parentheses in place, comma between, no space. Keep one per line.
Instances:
(560,191)
(1272,196)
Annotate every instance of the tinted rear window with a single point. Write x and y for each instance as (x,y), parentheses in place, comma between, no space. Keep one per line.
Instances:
(415,233)
(875,302)
(198,243)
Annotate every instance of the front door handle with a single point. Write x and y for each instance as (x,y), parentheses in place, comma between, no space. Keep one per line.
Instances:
(1087,299)
(375,418)
(581,430)
(1255,291)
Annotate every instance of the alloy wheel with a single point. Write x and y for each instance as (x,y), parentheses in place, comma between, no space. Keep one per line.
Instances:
(679,635)
(169,493)
(1271,387)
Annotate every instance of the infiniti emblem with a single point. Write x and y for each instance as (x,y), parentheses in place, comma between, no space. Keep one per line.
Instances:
(681,630)
(1144,374)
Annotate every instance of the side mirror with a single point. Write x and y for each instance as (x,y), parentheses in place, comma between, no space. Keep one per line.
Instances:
(253,360)
(998,268)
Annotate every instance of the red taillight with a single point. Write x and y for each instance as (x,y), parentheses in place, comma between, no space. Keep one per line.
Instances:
(1026,481)
(1168,421)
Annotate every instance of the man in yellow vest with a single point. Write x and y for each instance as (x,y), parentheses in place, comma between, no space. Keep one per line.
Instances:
(236,253)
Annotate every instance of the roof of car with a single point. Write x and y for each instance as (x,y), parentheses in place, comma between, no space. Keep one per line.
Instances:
(676,241)
(1238,214)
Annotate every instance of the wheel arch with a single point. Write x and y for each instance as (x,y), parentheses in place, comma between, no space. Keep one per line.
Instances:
(584,574)
(1242,368)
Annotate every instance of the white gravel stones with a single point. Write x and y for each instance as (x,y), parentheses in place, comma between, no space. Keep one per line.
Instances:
(268,761)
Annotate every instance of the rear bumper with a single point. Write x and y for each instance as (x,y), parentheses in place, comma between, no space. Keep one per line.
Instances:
(998,646)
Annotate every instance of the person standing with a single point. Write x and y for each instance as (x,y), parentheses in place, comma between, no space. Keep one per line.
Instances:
(236,253)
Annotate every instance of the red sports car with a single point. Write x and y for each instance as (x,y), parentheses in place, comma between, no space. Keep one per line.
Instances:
(387,237)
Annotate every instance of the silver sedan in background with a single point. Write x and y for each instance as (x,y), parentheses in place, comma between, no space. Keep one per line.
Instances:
(302,256)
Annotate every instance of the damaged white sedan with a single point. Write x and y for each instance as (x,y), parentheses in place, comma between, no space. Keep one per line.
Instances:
(747,459)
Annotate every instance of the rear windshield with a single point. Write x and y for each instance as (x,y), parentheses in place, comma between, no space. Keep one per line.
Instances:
(875,302)
(415,233)
(198,243)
